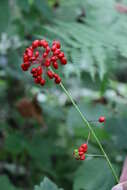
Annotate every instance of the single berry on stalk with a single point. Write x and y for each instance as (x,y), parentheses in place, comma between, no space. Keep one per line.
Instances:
(101,119)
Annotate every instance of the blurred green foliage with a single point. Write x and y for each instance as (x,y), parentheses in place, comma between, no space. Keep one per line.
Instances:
(37,146)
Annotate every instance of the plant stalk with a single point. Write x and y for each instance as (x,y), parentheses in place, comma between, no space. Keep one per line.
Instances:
(92,131)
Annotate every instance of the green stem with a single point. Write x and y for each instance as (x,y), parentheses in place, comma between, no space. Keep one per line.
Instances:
(92,131)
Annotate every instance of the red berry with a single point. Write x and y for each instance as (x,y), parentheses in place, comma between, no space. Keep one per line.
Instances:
(32,58)
(50,74)
(35,44)
(42,82)
(57,52)
(55,75)
(45,55)
(25,58)
(27,64)
(39,70)
(54,47)
(64,60)
(35,74)
(47,62)
(53,58)
(57,43)
(81,153)
(82,157)
(47,49)
(36,81)
(85,147)
(31,48)
(101,119)
(39,78)
(55,65)
(43,43)
(81,149)
(24,68)
(57,80)
(33,70)
(36,53)
(61,55)
(30,53)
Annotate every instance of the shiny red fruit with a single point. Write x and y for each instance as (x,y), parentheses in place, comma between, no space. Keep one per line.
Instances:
(101,119)
(82,157)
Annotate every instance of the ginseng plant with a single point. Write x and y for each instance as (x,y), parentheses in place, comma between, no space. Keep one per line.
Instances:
(43,60)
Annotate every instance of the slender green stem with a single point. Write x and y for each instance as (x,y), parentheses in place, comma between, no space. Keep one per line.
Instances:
(92,131)
(88,138)
(94,155)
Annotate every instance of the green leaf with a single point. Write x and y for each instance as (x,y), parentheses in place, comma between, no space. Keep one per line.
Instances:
(94,174)
(5,183)
(47,184)
(15,143)
(4,15)
(24,5)
(43,7)
(117,127)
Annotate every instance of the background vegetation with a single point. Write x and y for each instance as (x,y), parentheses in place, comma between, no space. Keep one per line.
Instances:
(39,128)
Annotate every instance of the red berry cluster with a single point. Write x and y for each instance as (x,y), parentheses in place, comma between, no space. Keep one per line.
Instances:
(79,153)
(101,119)
(50,56)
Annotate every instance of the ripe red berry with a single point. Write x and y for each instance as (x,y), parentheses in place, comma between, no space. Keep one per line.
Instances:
(39,78)
(45,55)
(36,81)
(43,43)
(35,74)
(47,62)
(50,74)
(82,157)
(35,44)
(24,67)
(81,149)
(61,55)
(57,43)
(57,52)
(25,58)
(53,58)
(81,153)
(101,119)
(39,70)
(27,64)
(55,65)
(30,53)
(33,70)
(85,147)
(36,53)
(47,49)
(32,58)
(57,80)
(42,82)
(55,75)
(54,47)
(63,60)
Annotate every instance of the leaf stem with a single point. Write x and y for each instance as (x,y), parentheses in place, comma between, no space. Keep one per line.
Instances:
(94,155)
(92,131)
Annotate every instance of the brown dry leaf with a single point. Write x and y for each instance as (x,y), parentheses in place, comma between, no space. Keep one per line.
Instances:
(30,108)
